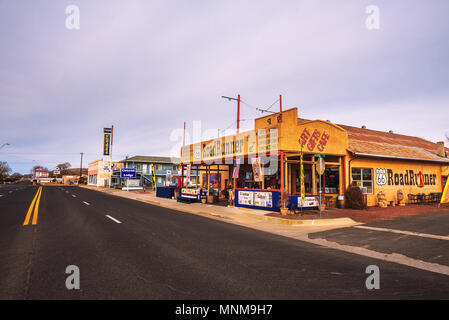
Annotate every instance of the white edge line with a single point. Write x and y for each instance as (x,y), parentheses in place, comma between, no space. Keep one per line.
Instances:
(410,233)
(113,219)
(87,203)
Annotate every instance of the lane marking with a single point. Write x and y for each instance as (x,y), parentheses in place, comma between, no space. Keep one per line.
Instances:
(409,233)
(86,203)
(36,209)
(1,195)
(30,209)
(113,219)
(73,196)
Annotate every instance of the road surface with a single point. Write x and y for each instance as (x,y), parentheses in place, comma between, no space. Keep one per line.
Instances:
(127,249)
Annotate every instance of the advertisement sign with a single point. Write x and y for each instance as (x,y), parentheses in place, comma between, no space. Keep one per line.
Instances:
(133,183)
(107,144)
(309,202)
(445,196)
(190,193)
(235,172)
(263,199)
(246,197)
(127,173)
(257,169)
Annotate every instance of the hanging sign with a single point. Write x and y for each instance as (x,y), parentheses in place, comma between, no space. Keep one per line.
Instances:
(235,172)
(107,144)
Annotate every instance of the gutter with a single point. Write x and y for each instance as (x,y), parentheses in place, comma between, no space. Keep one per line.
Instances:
(396,157)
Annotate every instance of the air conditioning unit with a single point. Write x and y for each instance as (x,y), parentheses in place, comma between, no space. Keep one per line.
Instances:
(364,190)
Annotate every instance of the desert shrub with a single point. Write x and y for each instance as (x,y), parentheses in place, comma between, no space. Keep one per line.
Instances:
(354,198)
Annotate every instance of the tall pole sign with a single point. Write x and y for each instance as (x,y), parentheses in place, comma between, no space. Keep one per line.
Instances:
(107,148)
(320,168)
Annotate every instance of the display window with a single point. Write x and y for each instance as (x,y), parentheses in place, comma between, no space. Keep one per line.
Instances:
(363,178)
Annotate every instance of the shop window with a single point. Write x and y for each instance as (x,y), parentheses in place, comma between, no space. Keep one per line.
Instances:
(363,178)
(139,167)
(331,181)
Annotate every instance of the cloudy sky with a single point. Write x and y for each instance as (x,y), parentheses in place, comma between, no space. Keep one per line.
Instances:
(148,66)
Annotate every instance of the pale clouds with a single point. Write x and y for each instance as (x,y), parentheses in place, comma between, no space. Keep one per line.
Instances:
(147,66)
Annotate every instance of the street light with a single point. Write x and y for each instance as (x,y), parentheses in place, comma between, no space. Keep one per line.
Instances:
(238,109)
(5,144)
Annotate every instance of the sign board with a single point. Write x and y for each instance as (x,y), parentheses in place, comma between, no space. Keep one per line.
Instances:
(445,195)
(107,144)
(309,202)
(190,193)
(320,166)
(246,198)
(107,130)
(256,198)
(133,183)
(263,199)
(127,173)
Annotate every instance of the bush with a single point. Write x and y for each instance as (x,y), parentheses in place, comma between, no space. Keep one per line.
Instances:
(354,198)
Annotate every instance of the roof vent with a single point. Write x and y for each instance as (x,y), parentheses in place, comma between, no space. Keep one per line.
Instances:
(363,127)
(391,131)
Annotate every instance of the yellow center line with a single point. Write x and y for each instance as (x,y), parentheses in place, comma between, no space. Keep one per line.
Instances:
(36,208)
(30,209)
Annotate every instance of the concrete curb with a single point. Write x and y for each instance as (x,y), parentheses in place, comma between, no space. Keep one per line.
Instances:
(259,215)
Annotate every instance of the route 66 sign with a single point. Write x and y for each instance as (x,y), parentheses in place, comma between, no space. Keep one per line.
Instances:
(381,177)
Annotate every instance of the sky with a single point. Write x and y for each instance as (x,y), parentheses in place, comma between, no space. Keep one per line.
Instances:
(147,66)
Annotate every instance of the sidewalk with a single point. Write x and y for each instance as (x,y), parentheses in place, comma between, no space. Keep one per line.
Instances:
(256,219)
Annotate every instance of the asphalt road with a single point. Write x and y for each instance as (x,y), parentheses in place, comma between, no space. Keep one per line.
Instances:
(157,253)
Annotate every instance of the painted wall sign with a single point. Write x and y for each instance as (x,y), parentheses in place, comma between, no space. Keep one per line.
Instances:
(315,140)
(407,178)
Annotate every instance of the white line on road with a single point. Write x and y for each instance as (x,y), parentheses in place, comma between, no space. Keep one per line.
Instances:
(87,203)
(1,195)
(73,196)
(410,233)
(113,219)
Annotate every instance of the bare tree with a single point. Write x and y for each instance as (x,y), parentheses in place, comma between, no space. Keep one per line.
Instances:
(63,167)
(15,176)
(4,170)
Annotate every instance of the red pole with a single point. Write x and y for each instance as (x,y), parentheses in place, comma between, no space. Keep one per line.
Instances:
(282,174)
(238,113)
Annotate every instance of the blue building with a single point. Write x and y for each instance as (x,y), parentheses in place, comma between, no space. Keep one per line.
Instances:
(166,170)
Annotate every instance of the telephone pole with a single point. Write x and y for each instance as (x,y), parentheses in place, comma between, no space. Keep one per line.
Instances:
(81,165)
(238,109)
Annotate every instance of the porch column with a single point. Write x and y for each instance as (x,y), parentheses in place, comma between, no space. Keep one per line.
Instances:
(282,174)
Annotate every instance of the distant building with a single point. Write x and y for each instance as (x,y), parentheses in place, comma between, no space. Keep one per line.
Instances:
(166,170)
(99,172)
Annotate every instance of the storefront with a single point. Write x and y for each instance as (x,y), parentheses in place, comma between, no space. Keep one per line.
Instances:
(263,166)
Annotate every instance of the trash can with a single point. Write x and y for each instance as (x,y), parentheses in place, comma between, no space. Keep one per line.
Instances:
(341,202)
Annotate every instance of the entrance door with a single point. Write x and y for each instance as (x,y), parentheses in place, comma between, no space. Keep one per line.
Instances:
(296,180)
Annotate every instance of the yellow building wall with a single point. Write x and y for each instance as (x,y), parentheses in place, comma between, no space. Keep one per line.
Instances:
(400,168)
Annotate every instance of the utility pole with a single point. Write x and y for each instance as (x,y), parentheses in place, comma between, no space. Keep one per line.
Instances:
(184,137)
(110,159)
(81,166)
(238,109)
(280,106)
